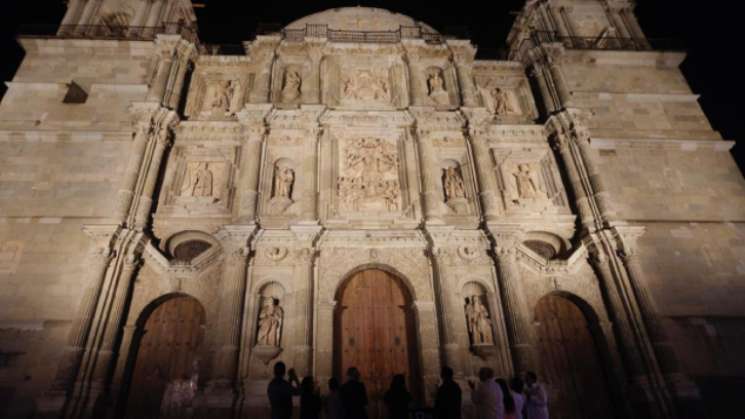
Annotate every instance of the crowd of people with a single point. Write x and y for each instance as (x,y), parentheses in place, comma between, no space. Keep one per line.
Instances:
(522,398)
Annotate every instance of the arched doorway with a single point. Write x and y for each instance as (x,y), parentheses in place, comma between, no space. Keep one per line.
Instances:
(166,349)
(374,331)
(572,368)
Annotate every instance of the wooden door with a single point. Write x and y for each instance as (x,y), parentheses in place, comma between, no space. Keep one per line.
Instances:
(375,333)
(575,379)
(167,350)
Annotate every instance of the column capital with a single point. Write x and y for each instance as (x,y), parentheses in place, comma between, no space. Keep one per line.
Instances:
(102,234)
(506,238)
(627,238)
(235,239)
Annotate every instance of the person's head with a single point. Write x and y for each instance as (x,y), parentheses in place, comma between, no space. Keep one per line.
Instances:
(333,384)
(398,382)
(280,369)
(353,374)
(531,378)
(446,373)
(486,374)
(517,384)
(509,402)
(307,386)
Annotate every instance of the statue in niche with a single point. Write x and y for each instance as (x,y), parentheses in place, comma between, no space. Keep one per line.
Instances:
(502,104)
(198,182)
(436,87)
(527,187)
(284,177)
(479,323)
(292,85)
(366,86)
(270,322)
(179,395)
(453,184)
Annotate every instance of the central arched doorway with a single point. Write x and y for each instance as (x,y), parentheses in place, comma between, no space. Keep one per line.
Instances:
(572,367)
(374,331)
(167,348)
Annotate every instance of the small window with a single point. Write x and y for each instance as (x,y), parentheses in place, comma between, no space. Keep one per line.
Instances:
(187,251)
(75,94)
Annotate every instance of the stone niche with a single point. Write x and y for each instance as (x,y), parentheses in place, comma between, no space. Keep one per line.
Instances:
(282,175)
(220,86)
(364,81)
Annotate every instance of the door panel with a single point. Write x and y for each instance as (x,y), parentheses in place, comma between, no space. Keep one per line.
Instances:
(574,376)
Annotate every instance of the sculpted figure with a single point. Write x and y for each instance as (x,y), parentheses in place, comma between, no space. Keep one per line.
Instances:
(222,95)
(479,324)
(502,105)
(292,85)
(436,87)
(270,322)
(526,185)
(453,183)
(199,182)
(366,86)
(284,177)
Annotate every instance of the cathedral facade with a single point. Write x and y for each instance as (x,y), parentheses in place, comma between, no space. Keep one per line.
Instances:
(359,189)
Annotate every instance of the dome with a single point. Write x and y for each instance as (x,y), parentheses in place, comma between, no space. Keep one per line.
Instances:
(365,19)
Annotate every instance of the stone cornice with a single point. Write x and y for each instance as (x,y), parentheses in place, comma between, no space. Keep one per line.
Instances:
(679,144)
(372,239)
(375,119)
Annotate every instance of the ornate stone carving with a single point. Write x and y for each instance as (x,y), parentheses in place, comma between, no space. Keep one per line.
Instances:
(452,183)
(368,179)
(478,321)
(199,181)
(271,317)
(436,87)
(497,100)
(366,86)
(527,185)
(292,85)
(221,96)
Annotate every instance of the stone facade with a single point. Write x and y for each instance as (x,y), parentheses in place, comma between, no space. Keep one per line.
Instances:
(357,138)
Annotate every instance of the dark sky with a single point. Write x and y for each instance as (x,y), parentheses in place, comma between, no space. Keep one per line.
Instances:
(710,31)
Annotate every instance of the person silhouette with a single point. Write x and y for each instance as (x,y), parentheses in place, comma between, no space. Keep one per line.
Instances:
(334,409)
(310,401)
(280,392)
(397,398)
(448,398)
(354,396)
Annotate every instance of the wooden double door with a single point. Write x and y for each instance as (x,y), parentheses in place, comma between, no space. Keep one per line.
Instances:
(374,332)
(573,371)
(168,349)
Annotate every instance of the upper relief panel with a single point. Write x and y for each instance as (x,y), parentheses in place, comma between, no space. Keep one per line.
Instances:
(220,86)
(434,79)
(504,91)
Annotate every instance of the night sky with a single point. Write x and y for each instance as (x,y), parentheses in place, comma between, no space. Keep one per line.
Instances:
(711,32)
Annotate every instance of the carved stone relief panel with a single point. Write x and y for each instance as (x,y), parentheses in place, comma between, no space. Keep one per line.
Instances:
(218,90)
(368,179)
(478,317)
(199,180)
(529,180)
(364,82)
(504,92)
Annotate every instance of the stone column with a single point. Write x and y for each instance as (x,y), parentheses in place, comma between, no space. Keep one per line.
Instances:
(96,266)
(487,180)
(305,260)
(647,394)
(452,317)
(154,16)
(517,312)
(308,166)
(678,383)
(254,128)
(71,16)
(178,88)
(581,139)
(562,145)
(538,73)
(559,82)
(88,10)
(158,88)
(431,184)
(132,172)
(234,240)
(430,361)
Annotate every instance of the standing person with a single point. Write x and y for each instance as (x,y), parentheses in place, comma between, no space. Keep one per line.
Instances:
(310,401)
(354,396)
(507,399)
(517,387)
(334,408)
(448,399)
(397,398)
(280,392)
(487,397)
(536,406)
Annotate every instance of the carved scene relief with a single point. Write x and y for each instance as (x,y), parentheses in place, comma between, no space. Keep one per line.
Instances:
(526,183)
(530,181)
(366,86)
(221,97)
(368,178)
(200,179)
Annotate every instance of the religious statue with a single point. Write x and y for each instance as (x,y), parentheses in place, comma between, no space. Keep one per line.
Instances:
(223,94)
(179,395)
(527,187)
(292,86)
(453,184)
(199,182)
(284,177)
(270,322)
(479,324)
(436,87)
(502,105)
